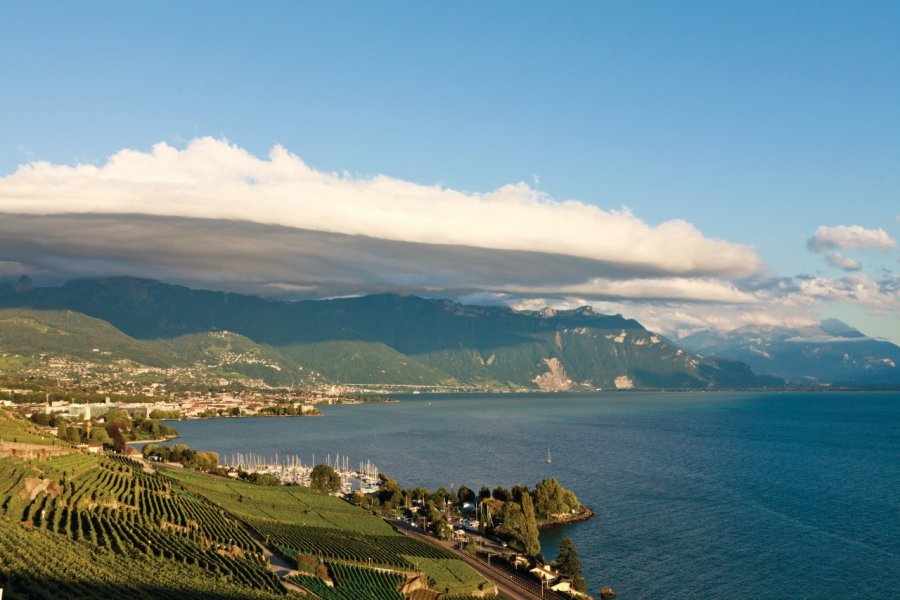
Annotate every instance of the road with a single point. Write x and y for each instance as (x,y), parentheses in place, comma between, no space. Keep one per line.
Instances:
(511,584)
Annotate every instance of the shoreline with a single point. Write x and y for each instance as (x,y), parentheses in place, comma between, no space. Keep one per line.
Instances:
(157,441)
(584,513)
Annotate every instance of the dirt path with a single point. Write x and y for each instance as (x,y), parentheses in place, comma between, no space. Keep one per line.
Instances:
(281,567)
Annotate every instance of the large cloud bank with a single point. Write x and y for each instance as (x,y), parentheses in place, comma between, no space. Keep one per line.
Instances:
(213,215)
(212,179)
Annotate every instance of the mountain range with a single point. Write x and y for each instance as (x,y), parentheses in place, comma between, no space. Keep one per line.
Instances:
(372,340)
(830,352)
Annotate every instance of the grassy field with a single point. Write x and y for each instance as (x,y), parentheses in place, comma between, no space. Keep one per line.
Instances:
(292,505)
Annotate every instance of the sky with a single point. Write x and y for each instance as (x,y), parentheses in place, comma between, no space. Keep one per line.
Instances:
(692,165)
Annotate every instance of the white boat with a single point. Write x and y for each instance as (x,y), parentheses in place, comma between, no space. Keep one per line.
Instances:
(549,458)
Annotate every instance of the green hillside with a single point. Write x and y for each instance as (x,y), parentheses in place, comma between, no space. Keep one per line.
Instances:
(372,340)
(29,338)
(233,353)
(69,333)
(365,362)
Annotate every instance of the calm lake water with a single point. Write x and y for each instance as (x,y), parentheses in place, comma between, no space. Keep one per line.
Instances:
(698,495)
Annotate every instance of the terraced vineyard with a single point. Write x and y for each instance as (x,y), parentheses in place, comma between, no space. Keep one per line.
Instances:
(298,521)
(87,526)
(111,504)
(344,545)
(42,565)
(352,583)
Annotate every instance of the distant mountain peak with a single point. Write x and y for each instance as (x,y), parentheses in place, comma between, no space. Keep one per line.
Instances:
(826,352)
(840,329)
(24,285)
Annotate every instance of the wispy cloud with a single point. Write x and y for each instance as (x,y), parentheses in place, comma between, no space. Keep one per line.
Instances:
(852,237)
(838,260)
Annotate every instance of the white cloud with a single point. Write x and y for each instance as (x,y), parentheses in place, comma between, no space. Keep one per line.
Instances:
(678,319)
(876,296)
(213,179)
(852,237)
(838,260)
(779,304)
(670,288)
(214,216)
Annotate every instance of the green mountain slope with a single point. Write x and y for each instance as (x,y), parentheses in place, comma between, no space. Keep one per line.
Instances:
(65,332)
(381,339)
(43,336)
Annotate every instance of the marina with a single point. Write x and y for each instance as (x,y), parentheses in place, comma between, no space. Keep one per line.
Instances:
(291,470)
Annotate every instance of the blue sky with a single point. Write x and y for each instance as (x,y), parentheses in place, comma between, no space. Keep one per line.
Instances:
(756,122)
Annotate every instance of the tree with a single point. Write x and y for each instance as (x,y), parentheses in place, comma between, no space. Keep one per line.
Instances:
(207,461)
(530,529)
(119,418)
(324,479)
(485,492)
(62,430)
(519,525)
(518,491)
(390,494)
(118,439)
(99,435)
(439,497)
(73,435)
(41,419)
(502,494)
(419,493)
(263,479)
(569,564)
(465,494)
(550,498)
(182,453)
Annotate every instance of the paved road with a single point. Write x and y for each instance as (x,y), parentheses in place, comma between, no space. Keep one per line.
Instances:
(511,585)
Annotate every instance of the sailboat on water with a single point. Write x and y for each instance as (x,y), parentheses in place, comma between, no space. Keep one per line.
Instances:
(549,458)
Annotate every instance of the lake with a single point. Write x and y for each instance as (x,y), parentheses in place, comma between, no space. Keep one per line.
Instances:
(697,495)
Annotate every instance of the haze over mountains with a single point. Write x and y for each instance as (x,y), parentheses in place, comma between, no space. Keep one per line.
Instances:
(830,352)
(378,339)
